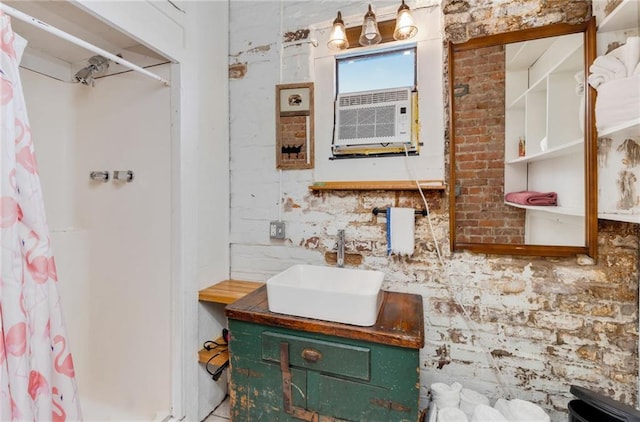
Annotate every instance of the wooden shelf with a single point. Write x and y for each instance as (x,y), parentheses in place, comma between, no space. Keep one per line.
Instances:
(228,291)
(220,354)
(379,185)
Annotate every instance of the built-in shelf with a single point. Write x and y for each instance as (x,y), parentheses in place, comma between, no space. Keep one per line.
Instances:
(626,129)
(379,185)
(227,291)
(559,151)
(624,16)
(550,209)
(629,218)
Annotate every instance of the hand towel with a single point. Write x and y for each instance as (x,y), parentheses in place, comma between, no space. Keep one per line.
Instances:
(400,231)
(470,399)
(532,198)
(486,413)
(451,414)
(446,395)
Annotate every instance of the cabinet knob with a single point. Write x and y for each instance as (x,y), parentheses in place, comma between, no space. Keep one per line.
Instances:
(311,355)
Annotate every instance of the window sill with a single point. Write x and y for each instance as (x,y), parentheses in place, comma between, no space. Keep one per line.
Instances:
(379,185)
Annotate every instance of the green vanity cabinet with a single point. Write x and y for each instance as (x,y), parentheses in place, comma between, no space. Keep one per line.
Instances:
(286,368)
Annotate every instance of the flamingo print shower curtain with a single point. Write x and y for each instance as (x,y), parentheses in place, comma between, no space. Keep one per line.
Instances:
(37,381)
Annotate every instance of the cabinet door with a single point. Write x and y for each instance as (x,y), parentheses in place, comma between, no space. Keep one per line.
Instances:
(256,391)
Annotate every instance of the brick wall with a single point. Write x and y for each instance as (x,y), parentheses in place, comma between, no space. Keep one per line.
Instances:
(481,215)
(546,323)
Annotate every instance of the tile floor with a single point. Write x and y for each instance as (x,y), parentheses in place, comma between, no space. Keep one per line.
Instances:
(221,413)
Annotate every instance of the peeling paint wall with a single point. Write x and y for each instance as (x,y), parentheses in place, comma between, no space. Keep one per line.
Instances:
(547,323)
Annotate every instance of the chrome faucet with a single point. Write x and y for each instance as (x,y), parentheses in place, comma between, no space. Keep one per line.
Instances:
(340,260)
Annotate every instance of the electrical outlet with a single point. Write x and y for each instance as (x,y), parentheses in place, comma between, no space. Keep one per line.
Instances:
(276,230)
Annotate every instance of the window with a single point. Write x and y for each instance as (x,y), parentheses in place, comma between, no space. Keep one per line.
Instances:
(387,69)
(376,104)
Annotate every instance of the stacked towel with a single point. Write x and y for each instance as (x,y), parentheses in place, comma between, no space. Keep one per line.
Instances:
(618,101)
(446,395)
(486,413)
(470,399)
(617,64)
(605,69)
(451,414)
(532,198)
(517,410)
(400,231)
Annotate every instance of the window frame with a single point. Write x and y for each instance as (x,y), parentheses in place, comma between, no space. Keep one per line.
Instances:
(377,52)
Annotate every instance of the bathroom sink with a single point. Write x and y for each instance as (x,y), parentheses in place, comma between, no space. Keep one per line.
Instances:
(345,295)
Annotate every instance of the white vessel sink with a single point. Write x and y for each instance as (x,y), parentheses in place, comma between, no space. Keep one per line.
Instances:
(345,295)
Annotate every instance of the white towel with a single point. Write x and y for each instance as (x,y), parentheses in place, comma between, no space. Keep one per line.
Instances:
(618,101)
(400,231)
(502,406)
(628,54)
(525,411)
(605,69)
(486,413)
(451,414)
(446,395)
(470,399)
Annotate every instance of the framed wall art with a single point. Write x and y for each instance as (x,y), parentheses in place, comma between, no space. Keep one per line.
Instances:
(294,126)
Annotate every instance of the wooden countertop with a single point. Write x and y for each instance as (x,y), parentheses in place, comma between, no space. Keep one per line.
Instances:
(400,322)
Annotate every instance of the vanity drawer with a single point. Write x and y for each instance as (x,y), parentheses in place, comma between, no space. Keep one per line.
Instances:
(327,357)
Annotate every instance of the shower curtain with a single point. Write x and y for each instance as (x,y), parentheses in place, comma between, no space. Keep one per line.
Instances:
(37,380)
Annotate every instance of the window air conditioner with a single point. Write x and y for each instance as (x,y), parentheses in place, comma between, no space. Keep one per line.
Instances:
(373,121)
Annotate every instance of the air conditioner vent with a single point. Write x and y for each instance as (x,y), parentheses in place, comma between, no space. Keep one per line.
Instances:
(374,98)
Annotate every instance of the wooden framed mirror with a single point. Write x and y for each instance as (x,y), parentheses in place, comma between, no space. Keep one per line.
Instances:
(523,169)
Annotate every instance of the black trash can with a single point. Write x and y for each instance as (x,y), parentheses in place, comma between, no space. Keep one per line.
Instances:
(593,407)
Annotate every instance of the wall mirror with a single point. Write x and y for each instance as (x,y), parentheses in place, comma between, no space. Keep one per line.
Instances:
(523,143)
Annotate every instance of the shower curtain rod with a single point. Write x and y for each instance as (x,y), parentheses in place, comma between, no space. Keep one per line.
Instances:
(77,41)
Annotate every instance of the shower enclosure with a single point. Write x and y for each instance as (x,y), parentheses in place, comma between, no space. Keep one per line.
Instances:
(111,240)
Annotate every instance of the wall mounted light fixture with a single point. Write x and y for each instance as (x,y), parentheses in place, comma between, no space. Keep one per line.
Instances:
(338,37)
(370,34)
(405,26)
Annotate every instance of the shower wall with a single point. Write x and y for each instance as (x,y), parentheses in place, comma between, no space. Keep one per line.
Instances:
(111,240)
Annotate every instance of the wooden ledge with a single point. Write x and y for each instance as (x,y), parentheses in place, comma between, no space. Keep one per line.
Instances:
(228,291)
(216,356)
(379,185)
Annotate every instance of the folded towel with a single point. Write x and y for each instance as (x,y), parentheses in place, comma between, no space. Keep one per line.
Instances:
(470,399)
(606,68)
(400,231)
(446,395)
(525,411)
(486,413)
(502,406)
(532,198)
(628,54)
(618,101)
(432,415)
(451,414)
